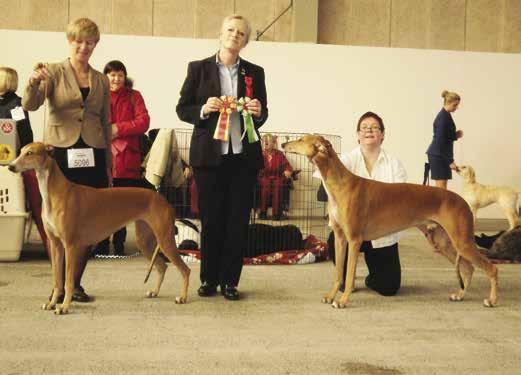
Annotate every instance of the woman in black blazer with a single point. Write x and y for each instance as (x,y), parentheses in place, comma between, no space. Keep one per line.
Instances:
(225,168)
(441,150)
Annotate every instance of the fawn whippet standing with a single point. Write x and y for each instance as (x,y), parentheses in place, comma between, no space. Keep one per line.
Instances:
(362,209)
(77,216)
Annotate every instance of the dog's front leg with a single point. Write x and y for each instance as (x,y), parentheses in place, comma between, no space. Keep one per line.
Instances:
(57,271)
(340,258)
(71,255)
(352,259)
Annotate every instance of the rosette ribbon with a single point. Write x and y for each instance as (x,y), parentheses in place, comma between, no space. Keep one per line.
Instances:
(222,129)
(249,128)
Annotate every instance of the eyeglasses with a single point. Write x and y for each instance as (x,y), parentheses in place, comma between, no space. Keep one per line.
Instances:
(370,129)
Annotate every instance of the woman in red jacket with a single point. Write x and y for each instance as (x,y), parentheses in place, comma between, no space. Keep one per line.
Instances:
(129,118)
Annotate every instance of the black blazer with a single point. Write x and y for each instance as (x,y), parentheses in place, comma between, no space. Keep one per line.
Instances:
(23,127)
(202,81)
(444,136)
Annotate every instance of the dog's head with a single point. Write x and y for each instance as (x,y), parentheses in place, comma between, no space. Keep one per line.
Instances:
(467,173)
(32,156)
(310,145)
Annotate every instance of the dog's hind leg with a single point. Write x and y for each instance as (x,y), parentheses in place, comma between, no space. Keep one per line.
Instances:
(438,238)
(512,217)
(164,232)
(352,259)
(463,288)
(468,250)
(340,258)
(146,243)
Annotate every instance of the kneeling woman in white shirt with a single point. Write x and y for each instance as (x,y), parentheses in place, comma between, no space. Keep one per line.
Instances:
(371,161)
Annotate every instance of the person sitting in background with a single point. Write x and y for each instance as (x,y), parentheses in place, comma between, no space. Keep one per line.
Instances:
(11,108)
(273,177)
(371,161)
(129,120)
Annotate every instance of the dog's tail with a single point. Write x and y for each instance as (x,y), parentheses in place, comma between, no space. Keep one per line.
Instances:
(154,256)
(458,271)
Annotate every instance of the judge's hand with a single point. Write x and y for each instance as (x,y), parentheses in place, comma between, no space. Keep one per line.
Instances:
(213,104)
(255,107)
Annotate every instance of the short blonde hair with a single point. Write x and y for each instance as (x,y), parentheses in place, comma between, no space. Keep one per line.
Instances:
(449,97)
(82,28)
(8,80)
(239,17)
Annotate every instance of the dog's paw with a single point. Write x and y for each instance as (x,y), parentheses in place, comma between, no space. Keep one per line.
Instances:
(488,303)
(48,306)
(150,294)
(327,299)
(180,300)
(61,310)
(455,297)
(338,305)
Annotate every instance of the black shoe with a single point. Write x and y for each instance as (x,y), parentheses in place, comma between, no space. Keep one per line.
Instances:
(119,249)
(101,250)
(368,281)
(207,289)
(79,295)
(263,216)
(230,292)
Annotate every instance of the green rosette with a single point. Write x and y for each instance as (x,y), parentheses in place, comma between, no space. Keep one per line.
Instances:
(249,128)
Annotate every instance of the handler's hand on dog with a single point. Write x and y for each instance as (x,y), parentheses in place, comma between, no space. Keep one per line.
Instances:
(454,167)
(459,134)
(213,104)
(40,73)
(255,107)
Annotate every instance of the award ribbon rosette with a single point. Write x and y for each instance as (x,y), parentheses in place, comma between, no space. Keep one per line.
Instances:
(249,129)
(222,129)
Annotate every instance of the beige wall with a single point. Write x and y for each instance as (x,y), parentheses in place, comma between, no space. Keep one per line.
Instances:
(461,25)
(176,18)
(325,88)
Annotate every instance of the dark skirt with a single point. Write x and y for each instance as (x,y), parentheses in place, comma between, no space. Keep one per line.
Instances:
(90,176)
(440,169)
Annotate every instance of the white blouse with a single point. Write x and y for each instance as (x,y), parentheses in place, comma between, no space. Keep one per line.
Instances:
(386,169)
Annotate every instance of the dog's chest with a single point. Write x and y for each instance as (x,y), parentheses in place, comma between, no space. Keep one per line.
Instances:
(332,209)
(47,218)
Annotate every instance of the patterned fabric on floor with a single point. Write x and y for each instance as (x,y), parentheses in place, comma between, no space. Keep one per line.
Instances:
(314,251)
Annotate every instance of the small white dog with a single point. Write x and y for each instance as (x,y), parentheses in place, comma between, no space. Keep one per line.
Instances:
(479,196)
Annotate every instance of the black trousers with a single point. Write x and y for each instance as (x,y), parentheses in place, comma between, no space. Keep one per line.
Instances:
(383,264)
(119,237)
(225,201)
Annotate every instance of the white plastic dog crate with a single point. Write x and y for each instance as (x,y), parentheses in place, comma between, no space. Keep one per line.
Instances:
(12,215)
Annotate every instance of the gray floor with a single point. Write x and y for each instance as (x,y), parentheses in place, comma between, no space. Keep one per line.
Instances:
(279,327)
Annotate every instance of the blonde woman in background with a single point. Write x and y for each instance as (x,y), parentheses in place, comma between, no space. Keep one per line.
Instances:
(78,107)
(11,105)
(441,150)
(11,108)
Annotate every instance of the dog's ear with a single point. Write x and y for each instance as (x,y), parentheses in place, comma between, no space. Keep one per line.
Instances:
(49,150)
(321,147)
